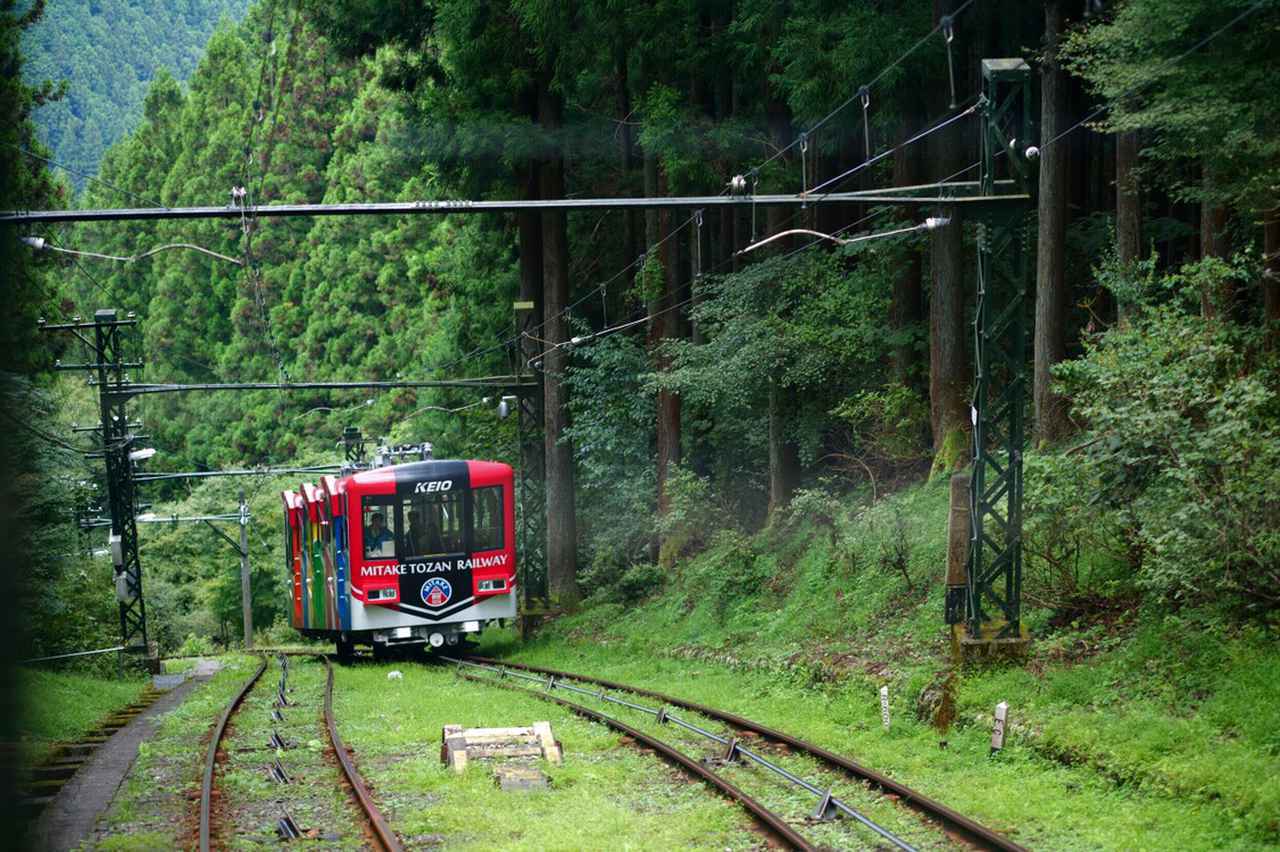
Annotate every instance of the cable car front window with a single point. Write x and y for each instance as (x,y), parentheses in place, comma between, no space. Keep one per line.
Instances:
(379,528)
(432,524)
(488,519)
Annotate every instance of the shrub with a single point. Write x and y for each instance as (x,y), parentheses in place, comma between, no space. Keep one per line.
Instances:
(1184,421)
(195,646)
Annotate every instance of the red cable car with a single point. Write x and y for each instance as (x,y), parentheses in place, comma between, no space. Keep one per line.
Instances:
(416,553)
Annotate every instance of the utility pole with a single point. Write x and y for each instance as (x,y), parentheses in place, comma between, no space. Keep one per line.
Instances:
(108,370)
(246,595)
(992,599)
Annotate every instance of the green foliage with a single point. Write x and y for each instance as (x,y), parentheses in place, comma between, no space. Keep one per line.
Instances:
(1076,553)
(1184,415)
(886,422)
(612,431)
(61,706)
(195,646)
(1196,102)
(107,52)
(691,514)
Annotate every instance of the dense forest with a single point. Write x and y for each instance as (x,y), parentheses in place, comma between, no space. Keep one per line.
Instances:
(727,385)
(106,53)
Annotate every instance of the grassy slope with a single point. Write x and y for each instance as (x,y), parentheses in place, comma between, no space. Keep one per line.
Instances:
(1167,726)
(62,706)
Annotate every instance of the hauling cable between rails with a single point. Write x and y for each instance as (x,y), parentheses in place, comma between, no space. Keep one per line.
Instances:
(972,830)
(765,816)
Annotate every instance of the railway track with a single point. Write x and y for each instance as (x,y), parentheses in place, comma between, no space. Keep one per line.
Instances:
(954,823)
(378,831)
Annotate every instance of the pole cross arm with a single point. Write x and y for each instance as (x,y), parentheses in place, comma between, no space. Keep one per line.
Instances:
(228,539)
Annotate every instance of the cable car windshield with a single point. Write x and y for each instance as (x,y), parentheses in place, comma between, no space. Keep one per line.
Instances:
(432,524)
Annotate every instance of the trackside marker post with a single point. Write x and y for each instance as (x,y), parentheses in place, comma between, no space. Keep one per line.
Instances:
(997,733)
(884,706)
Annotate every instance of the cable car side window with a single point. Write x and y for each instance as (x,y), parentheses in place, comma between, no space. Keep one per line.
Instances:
(379,527)
(432,524)
(487,520)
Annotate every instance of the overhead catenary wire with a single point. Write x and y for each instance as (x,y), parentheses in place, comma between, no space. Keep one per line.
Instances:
(40,433)
(41,244)
(86,175)
(930,224)
(253,471)
(872,160)
(865,88)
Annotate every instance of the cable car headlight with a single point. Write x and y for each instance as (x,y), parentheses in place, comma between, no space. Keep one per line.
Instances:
(492,585)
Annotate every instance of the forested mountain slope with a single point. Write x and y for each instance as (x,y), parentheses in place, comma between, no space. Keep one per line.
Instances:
(727,381)
(108,51)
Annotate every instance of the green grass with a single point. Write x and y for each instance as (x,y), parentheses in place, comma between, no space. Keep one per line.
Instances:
(63,706)
(604,795)
(154,807)
(1169,727)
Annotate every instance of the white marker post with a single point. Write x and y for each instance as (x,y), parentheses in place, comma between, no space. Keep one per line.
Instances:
(884,706)
(997,734)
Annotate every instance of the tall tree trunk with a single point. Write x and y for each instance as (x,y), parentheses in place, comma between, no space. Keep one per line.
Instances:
(784,456)
(908,298)
(948,363)
(1214,243)
(665,325)
(1051,283)
(949,367)
(529,225)
(1128,208)
(626,156)
(562,528)
(1271,270)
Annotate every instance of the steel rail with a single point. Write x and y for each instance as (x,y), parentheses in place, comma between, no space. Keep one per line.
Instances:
(766,817)
(973,831)
(733,747)
(383,834)
(206,783)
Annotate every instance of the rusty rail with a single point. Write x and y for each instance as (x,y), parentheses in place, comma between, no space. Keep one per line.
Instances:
(972,831)
(385,837)
(766,817)
(211,759)
(382,835)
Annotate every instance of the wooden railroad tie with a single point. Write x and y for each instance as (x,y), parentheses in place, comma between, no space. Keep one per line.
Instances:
(458,745)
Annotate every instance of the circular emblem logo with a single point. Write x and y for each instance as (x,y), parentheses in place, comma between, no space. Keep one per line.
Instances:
(436,592)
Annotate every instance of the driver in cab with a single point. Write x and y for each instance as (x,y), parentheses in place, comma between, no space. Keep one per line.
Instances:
(378,540)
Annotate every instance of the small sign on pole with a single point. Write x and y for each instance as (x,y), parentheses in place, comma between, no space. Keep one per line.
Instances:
(997,733)
(884,706)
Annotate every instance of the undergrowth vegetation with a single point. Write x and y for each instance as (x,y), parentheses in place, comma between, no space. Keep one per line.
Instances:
(69,705)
